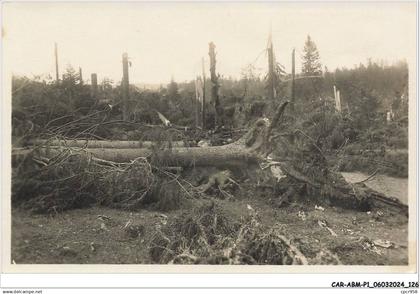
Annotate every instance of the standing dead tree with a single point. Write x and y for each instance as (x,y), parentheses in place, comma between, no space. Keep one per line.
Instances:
(215,86)
(292,104)
(56,63)
(125,86)
(271,74)
(203,102)
(80,76)
(199,94)
(94,85)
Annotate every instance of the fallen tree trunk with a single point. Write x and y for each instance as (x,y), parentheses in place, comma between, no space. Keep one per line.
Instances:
(228,155)
(245,151)
(219,156)
(105,144)
(249,149)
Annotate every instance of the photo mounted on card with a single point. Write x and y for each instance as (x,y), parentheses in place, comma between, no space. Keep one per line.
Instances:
(209,137)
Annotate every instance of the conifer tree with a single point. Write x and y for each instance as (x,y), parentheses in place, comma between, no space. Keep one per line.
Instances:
(311,64)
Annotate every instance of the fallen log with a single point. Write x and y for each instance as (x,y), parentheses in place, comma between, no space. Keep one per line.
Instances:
(234,154)
(219,156)
(250,149)
(105,144)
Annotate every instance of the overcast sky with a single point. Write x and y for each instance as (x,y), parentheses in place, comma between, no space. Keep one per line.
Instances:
(169,39)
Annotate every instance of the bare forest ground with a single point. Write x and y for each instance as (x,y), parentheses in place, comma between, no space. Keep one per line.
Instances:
(151,208)
(113,236)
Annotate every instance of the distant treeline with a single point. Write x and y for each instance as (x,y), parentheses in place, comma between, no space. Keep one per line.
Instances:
(367,91)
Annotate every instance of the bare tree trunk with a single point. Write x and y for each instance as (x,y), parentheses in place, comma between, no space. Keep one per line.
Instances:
(215,86)
(249,149)
(235,154)
(106,144)
(203,102)
(56,63)
(125,86)
(219,156)
(80,76)
(94,85)
(243,152)
(271,89)
(292,99)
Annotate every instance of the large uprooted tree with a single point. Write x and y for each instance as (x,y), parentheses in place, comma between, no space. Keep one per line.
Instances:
(302,168)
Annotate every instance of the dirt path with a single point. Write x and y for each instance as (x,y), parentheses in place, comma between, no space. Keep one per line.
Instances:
(390,186)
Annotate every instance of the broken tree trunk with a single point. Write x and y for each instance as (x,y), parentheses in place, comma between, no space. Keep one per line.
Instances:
(292,104)
(56,63)
(248,150)
(125,86)
(203,102)
(80,76)
(94,85)
(215,86)
(271,84)
(106,144)
(240,153)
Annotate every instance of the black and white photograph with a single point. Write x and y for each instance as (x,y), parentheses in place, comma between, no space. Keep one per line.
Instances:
(230,136)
